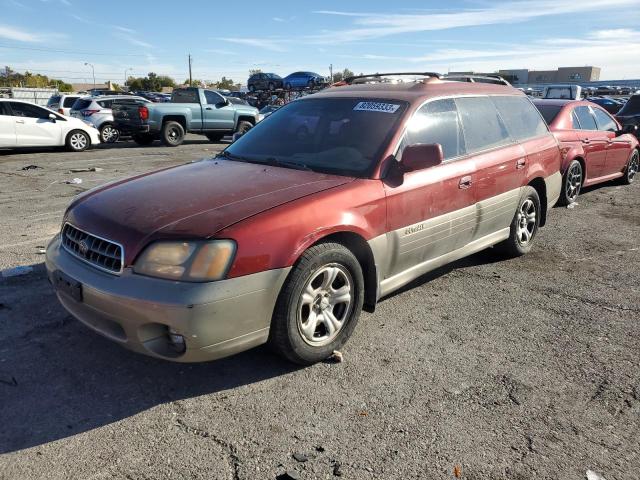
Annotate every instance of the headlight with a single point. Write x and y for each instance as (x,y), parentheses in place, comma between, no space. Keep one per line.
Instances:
(192,261)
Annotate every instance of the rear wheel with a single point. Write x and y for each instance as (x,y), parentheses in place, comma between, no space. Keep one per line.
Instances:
(78,141)
(633,165)
(143,139)
(172,134)
(319,305)
(109,133)
(571,183)
(215,137)
(524,225)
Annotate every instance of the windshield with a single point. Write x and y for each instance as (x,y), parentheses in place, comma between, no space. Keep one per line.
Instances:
(548,112)
(632,107)
(55,100)
(343,136)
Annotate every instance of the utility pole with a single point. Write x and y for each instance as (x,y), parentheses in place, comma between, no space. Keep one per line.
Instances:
(331,73)
(190,77)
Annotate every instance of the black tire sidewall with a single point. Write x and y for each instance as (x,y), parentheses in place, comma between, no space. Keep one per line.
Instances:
(285,335)
(529,193)
(564,200)
(627,180)
(165,133)
(243,127)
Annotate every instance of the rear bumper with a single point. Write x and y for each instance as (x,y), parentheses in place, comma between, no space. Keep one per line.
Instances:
(126,129)
(216,319)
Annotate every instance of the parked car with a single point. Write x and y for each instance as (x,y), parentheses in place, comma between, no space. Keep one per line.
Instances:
(23,124)
(62,103)
(596,147)
(236,100)
(193,110)
(285,239)
(268,110)
(605,90)
(97,111)
(264,81)
(610,105)
(303,80)
(630,113)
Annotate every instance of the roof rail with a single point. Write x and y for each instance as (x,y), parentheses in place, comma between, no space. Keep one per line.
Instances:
(349,80)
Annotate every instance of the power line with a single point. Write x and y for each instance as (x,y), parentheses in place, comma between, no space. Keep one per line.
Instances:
(73,52)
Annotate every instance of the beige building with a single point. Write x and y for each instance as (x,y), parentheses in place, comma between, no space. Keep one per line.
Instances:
(578,74)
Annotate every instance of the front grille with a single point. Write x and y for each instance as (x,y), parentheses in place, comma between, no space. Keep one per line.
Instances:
(101,253)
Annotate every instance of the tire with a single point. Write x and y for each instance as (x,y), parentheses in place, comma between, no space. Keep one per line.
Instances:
(215,137)
(108,133)
(243,127)
(571,183)
(77,141)
(319,305)
(633,165)
(520,242)
(172,134)
(143,139)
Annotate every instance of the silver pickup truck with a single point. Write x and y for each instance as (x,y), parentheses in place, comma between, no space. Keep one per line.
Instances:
(192,110)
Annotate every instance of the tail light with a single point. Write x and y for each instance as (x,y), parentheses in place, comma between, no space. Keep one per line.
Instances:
(61,111)
(143,112)
(88,113)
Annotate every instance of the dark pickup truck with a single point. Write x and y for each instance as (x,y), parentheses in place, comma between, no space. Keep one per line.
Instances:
(192,110)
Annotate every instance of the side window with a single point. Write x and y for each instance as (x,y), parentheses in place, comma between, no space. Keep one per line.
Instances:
(3,109)
(105,103)
(186,95)
(522,119)
(575,123)
(28,110)
(437,122)
(69,101)
(604,121)
(482,126)
(212,98)
(585,118)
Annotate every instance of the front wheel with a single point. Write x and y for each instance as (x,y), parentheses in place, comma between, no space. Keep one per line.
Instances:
(109,133)
(571,183)
(78,141)
(632,168)
(319,305)
(172,134)
(524,225)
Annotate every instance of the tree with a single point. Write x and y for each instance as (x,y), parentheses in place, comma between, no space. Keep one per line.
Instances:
(339,76)
(152,82)
(226,84)
(253,71)
(10,78)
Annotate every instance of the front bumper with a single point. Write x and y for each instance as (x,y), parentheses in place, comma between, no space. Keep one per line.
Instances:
(216,319)
(94,135)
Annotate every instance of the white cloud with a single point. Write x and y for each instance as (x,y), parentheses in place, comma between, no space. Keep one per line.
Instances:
(131,39)
(273,45)
(375,25)
(12,33)
(123,29)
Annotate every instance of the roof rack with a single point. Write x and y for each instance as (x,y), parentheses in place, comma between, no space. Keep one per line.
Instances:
(497,79)
(350,80)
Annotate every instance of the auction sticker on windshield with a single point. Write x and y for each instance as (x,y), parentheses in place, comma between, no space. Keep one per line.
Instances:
(376,107)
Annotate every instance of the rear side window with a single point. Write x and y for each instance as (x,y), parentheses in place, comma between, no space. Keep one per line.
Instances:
(3,109)
(585,118)
(105,103)
(438,122)
(81,104)
(575,123)
(482,126)
(69,101)
(185,96)
(521,118)
(604,121)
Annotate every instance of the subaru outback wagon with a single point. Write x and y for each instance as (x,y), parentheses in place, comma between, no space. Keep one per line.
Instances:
(289,233)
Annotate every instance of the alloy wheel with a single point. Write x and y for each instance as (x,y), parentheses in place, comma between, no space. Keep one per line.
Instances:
(634,165)
(78,141)
(574,181)
(109,134)
(325,304)
(526,227)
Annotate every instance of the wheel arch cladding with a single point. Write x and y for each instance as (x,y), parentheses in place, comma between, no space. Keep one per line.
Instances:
(176,118)
(541,188)
(360,248)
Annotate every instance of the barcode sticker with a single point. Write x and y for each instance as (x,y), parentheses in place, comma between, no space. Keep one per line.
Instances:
(376,107)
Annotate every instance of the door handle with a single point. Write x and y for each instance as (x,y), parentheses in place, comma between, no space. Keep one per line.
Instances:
(586,140)
(520,163)
(208,108)
(19,121)
(465,182)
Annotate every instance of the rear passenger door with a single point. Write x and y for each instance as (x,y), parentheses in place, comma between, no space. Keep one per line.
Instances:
(431,212)
(500,164)
(594,142)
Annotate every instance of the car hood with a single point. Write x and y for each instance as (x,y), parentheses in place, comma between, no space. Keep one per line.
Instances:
(196,200)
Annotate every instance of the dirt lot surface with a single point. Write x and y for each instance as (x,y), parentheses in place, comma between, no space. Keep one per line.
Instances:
(518,369)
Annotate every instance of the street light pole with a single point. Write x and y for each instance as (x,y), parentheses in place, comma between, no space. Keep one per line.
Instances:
(93,71)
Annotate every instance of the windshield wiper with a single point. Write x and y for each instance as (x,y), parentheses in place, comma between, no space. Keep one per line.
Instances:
(276,162)
(231,156)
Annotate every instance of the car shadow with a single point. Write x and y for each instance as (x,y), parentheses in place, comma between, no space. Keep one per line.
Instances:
(58,378)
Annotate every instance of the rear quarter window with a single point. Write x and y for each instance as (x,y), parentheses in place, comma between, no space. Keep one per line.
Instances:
(185,96)
(585,118)
(69,101)
(520,117)
(482,126)
(55,100)
(81,104)
(604,121)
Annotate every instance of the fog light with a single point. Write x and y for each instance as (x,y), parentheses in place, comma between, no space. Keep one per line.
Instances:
(177,341)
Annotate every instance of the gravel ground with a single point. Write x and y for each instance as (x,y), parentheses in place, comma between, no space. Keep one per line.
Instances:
(519,369)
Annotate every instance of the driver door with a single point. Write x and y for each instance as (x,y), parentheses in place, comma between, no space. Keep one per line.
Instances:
(217,113)
(33,126)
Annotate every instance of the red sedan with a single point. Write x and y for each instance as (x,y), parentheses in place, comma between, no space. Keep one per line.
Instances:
(595,147)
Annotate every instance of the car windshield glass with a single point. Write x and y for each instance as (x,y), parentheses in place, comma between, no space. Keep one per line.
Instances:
(343,136)
(632,107)
(549,112)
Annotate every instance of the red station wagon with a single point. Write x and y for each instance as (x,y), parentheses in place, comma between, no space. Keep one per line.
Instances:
(595,147)
(289,233)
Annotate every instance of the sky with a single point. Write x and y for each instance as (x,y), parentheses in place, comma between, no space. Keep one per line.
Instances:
(57,37)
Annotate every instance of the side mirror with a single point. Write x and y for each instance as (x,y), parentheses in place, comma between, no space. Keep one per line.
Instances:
(421,155)
(52,117)
(628,128)
(236,136)
(223,103)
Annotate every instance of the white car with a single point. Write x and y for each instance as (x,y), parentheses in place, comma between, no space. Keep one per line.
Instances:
(62,103)
(23,124)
